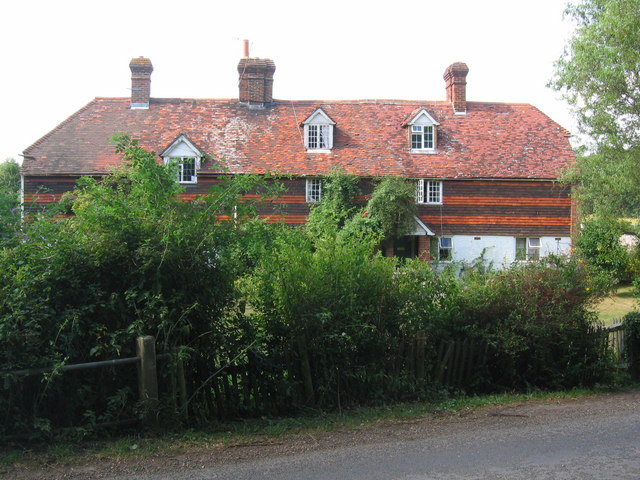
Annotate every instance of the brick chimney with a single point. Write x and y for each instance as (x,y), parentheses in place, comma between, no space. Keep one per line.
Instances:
(256,80)
(455,79)
(141,69)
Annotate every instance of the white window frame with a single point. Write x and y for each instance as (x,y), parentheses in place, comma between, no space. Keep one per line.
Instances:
(318,137)
(318,132)
(423,133)
(313,190)
(429,192)
(181,162)
(181,152)
(528,249)
(422,138)
(448,248)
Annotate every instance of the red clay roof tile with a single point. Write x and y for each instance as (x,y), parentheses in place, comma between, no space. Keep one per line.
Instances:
(493,140)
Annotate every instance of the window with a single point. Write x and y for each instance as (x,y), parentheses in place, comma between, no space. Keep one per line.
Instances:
(186,156)
(318,132)
(527,248)
(429,191)
(318,137)
(422,137)
(445,249)
(186,169)
(422,133)
(314,190)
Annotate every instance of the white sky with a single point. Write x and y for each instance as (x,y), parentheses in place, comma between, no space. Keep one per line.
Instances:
(56,56)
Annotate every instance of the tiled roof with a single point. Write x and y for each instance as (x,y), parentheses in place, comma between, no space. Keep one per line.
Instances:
(493,140)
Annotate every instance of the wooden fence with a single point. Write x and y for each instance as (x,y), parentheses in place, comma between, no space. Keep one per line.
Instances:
(616,338)
(251,383)
(145,361)
(459,360)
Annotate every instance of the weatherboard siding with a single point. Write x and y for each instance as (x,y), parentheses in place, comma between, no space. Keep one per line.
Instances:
(469,207)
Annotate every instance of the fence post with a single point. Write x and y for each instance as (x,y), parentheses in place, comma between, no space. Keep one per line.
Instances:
(147,376)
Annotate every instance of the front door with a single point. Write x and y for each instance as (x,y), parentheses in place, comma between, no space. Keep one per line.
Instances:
(405,247)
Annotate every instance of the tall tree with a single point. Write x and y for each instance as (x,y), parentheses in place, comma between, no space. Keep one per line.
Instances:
(10,178)
(599,75)
(599,72)
(9,199)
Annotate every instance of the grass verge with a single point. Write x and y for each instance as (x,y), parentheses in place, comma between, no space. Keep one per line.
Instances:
(251,431)
(611,309)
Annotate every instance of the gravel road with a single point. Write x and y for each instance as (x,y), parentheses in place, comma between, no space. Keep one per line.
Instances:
(586,438)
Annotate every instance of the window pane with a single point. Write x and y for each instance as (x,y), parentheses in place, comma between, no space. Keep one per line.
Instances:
(420,191)
(312,136)
(428,137)
(434,192)
(323,140)
(445,249)
(186,169)
(521,248)
(314,190)
(416,140)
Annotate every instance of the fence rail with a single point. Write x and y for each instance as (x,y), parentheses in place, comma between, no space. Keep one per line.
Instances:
(146,369)
(249,383)
(616,338)
(69,368)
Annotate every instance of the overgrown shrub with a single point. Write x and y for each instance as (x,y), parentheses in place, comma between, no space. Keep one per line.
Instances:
(133,260)
(327,304)
(269,318)
(537,319)
(9,201)
(631,324)
(598,243)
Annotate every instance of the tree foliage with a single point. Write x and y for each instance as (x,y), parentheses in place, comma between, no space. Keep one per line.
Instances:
(133,259)
(598,243)
(10,178)
(268,318)
(599,70)
(599,76)
(9,200)
(393,206)
(388,214)
(607,182)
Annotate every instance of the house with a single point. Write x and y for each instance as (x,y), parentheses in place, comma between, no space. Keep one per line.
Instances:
(485,172)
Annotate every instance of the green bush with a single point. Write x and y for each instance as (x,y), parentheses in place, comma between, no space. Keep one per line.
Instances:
(537,319)
(133,260)
(269,318)
(598,243)
(328,303)
(631,324)
(9,201)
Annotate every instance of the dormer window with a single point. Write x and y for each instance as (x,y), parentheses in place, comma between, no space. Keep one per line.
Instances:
(186,169)
(186,156)
(318,132)
(421,137)
(423,133)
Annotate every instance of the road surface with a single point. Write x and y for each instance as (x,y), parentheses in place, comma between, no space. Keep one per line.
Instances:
(582,439)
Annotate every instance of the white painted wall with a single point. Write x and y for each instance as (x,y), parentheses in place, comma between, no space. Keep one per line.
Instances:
(501,250)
